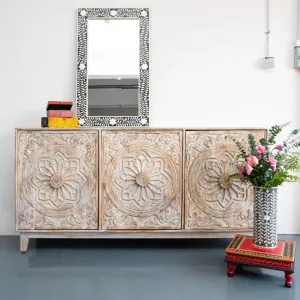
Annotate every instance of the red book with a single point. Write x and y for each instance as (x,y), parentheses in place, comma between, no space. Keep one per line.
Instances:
(60,113)
(59,105)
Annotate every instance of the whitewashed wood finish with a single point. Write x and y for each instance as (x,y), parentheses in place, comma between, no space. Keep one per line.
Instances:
(141,179)
(201,148)
(211,202)
(57,179)
(127,234)
(24,240)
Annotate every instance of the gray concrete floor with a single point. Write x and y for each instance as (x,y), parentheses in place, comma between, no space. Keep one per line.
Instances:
(133,270)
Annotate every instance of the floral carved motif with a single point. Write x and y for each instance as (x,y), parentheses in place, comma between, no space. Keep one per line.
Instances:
(142,180)
(213,201)
(57,180)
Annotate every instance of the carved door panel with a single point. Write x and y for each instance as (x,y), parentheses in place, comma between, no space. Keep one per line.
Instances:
(211,202)
(141,179)
(57,179)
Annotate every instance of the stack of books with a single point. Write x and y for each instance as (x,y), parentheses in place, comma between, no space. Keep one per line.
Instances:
(59,115)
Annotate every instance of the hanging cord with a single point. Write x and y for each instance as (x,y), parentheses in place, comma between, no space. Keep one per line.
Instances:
(298,21)
(267,31)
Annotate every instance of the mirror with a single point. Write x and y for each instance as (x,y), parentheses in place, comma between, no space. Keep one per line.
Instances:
(113,73)
(113,67)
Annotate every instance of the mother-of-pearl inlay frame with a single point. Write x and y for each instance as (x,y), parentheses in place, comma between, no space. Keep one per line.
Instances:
(142,116)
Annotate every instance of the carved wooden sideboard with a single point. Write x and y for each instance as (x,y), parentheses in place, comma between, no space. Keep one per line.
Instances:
(129,183)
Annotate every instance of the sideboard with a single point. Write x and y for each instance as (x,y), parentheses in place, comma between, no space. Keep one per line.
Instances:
(130,183)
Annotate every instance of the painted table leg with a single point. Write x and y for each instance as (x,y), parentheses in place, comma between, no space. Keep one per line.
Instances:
(230,269)
(23,243)
(288,279)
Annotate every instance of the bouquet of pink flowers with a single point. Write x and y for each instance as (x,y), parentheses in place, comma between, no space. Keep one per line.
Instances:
(265,163)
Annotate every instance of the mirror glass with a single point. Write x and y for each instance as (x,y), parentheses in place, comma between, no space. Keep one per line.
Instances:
(113,67)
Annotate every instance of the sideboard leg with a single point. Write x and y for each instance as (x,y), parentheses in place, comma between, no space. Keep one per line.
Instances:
(230,269)
(288,279)
(23,243)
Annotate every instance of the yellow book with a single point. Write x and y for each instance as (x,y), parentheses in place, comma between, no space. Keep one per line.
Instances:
(62,122)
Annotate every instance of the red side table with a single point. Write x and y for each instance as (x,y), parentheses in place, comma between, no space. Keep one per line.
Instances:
(241,250)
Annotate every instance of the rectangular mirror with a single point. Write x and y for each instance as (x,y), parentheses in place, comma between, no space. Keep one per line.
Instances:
(113,67)
(113,73)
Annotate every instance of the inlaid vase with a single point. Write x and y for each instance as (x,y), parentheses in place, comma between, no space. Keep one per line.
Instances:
(265,217)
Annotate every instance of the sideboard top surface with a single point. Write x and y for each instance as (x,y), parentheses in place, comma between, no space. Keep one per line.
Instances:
(143,128)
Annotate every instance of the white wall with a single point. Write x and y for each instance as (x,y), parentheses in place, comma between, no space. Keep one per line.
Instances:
(204,71)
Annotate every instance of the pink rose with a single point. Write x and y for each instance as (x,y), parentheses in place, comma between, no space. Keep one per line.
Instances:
(248,169)
(279,147)
(260,149)
(241,170)
(252,160)
(273,163)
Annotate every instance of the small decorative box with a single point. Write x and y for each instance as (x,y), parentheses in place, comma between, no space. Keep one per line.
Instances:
(62,122)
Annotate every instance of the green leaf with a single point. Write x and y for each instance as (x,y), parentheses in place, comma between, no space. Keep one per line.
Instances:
(252,143)
(293,146)
(292,162)
(274,131)
(254,181)
(263,142)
